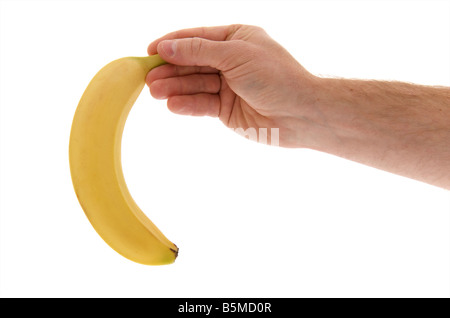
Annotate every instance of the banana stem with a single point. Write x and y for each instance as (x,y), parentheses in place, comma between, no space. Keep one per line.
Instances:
(152,61)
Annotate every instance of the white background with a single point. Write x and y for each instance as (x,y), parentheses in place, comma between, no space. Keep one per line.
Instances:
(250,220)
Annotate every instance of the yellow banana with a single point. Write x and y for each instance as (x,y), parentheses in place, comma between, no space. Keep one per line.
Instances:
(95,162)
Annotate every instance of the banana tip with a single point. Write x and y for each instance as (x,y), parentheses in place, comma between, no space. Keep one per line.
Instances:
(175,251)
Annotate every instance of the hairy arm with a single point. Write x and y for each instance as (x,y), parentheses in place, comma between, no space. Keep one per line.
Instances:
(397,127)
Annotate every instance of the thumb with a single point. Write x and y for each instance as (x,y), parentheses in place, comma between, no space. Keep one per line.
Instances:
(198,52)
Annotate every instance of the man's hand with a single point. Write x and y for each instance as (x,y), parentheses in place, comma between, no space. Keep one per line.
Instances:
(237,73)
(241,75)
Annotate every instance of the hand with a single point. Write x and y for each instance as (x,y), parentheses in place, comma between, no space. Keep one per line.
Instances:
(237,73)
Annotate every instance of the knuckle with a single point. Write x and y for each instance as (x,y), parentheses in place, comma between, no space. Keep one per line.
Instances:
(196,46)
(258,29)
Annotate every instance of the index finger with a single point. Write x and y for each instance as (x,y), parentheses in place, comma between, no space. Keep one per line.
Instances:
(216,33)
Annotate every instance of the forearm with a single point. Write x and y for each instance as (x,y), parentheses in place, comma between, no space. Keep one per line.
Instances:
(397,127)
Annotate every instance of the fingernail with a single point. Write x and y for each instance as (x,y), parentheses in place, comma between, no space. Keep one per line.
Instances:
(168,46)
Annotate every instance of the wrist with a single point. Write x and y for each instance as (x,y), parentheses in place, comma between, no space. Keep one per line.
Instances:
(309,125)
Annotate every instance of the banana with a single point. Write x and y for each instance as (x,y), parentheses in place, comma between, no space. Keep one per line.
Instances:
(95,163)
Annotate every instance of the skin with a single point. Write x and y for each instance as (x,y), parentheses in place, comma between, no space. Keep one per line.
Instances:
(239,74)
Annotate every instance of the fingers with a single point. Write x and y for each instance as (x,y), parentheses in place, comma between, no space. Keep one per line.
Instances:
(190,90)
(185,85)
(170,70)
(217,33)
(195,105)
(169,80)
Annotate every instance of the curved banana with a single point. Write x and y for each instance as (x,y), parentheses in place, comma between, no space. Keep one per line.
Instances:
(95,162)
